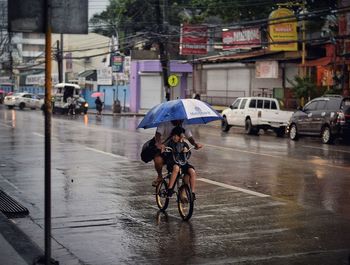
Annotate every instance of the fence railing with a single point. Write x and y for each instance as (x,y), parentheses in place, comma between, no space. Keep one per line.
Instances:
(222,97)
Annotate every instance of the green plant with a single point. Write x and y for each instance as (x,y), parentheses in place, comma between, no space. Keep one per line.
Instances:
(303,87)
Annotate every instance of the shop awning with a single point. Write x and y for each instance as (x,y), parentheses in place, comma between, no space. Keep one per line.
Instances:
(326,61)
(89,75)
(319,62)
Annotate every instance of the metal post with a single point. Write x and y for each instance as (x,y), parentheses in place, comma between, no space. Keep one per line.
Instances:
(11,63)
(59,61)
(124,99)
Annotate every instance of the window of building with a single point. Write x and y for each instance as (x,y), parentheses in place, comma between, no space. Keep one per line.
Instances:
(33,36)
(33,48)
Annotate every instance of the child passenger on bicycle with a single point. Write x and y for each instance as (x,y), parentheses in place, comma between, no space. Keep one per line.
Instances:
(180,148)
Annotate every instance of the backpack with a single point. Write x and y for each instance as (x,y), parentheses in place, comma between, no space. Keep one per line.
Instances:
(149,150)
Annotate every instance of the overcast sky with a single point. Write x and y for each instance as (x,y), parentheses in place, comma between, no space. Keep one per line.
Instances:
(97,6)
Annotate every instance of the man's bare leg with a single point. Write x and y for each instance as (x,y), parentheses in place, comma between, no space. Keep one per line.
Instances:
(158,165)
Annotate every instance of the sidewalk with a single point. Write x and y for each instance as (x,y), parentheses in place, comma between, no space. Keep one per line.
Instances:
(110,113)
(16,247)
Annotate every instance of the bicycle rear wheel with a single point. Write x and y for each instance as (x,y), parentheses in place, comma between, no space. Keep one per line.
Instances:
(185,202)
(162,195)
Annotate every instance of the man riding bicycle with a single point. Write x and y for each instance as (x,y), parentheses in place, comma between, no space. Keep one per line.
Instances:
(163,134)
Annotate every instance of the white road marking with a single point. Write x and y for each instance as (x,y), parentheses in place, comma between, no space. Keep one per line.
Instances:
(242,151)
(106,153)
(4,124)
(38,134)
(326,149)
(233,187)
(274,156)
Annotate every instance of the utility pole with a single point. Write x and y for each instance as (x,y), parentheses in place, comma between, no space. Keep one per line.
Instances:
(162,43)
(62,79)
(59,58)
(11,62)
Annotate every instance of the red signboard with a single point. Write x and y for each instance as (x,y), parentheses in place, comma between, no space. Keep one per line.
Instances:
(241,38)
(193,39)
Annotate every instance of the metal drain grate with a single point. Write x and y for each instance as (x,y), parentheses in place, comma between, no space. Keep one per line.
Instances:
(10,207)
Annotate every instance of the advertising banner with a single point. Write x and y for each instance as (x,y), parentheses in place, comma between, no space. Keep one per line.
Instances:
(117,62)
(283,30)
(241,38)
(193,40)
(104,76)
(266,69)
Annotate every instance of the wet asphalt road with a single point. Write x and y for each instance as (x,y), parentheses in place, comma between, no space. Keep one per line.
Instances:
(260,200)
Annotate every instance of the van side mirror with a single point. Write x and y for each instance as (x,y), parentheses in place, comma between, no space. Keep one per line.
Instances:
(231,107)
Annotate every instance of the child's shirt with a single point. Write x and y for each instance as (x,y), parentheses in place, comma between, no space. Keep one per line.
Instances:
(178,149)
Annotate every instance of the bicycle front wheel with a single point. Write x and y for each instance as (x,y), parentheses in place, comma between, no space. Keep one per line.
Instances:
(162,195)
(185,202)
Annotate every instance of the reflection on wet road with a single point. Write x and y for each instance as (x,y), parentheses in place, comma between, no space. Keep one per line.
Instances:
(260,200)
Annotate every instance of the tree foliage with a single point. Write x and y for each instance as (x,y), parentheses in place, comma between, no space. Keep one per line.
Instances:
(303,87)
(129,17)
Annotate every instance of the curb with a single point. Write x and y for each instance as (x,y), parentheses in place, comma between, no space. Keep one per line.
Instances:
(21,243)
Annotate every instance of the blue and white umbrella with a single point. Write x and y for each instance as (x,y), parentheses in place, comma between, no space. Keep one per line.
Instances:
(192,111)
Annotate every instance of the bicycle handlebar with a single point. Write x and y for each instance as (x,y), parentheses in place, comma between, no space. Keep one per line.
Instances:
(186,155)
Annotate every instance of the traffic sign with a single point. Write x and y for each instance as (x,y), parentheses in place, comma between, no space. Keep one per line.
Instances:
(173,80)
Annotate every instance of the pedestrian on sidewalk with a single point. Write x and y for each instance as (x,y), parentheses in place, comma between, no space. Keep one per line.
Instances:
(99,105)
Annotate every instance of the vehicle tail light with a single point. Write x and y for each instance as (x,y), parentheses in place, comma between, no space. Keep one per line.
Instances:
(340,118)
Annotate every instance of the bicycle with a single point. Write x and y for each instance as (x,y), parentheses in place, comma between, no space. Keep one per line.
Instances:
(185,201)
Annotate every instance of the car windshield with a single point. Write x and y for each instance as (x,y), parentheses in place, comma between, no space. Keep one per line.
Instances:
(346,105)
(17,95)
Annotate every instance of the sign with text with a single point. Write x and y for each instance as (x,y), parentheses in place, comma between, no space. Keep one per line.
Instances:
(266,69)
(283,34)
(68,16)
(241,38)
(39,79)
(104,76)
(193,39)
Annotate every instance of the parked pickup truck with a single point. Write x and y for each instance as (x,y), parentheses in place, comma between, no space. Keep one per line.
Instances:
(255,113)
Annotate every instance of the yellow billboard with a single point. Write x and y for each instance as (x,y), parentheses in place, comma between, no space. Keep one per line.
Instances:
(283,35)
